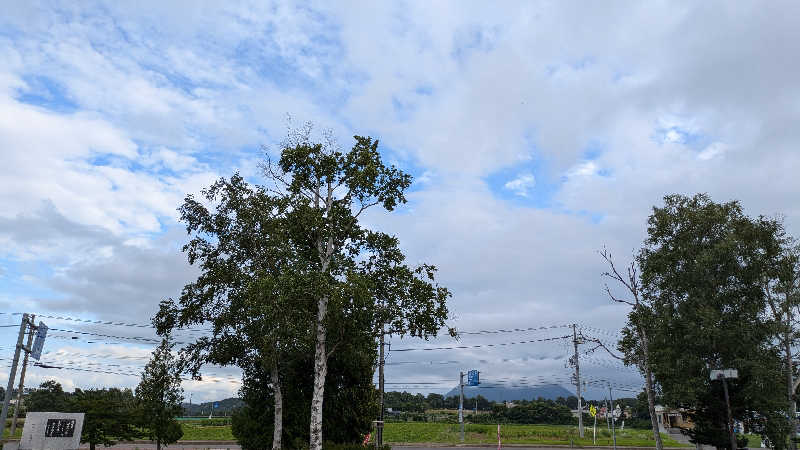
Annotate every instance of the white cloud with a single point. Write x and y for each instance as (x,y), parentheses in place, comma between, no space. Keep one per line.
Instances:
(712,151)
(583,169)
(521,185)
(169,96)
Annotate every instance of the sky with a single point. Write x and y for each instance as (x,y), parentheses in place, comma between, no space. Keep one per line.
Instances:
(538,133)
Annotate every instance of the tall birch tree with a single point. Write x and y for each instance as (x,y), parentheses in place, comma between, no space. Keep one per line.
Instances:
(782,288)
(248,288)
(328,191)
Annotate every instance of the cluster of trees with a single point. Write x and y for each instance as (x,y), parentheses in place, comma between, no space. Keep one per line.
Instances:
(713,288)
(407,402)
(115,414)
(298,292)
(537,411)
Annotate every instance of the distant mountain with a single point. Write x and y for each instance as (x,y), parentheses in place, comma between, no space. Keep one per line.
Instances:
(499,394)
(224,408)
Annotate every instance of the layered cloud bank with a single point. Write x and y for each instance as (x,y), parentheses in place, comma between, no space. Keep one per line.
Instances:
(537,135)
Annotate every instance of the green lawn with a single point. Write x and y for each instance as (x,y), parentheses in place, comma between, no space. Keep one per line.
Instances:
(197,432)
(443,433)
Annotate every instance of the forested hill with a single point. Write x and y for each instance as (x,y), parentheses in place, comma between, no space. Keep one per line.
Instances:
(499,394)
(224,408)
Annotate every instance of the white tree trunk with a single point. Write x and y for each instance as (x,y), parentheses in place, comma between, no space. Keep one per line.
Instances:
(320,372)
(651,401)
(277,431)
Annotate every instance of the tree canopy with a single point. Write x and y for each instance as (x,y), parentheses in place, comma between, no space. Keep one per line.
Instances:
(287,270)
(159,396)
(109,415)
(703,266)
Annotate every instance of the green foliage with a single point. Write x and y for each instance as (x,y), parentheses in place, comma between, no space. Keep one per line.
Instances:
(704,265)
(282,265)
(546,435)
(546,412)
(48,397)
(108,415)
(407,402)
(194,431)
(159,396)
(350,399)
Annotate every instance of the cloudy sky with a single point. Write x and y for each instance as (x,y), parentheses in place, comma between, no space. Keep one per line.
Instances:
(537,133)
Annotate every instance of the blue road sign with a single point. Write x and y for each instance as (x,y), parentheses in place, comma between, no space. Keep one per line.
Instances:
(473,378)
(38,343)
(216,405)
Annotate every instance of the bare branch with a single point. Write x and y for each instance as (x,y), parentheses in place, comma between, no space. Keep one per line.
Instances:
(600,345)
(616,299)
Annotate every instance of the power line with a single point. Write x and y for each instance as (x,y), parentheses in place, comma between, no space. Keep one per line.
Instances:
(141,325)
(87,333)
(514,330)
(463,347)
(57,365)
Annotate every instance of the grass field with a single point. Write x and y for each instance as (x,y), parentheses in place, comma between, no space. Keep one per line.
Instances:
(197,432)
(442,433)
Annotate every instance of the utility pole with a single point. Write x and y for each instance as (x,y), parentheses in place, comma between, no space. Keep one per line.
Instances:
(379,424)
(22,374)
(578,380)
(12,375)
(461,404)
(613,419)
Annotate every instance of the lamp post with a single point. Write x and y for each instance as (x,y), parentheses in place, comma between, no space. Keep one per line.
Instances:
(724,375)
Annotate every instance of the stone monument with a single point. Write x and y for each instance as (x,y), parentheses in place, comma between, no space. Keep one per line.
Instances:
(51,431)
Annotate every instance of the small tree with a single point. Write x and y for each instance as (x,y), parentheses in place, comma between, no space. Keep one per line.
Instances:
(108,415)
(48,397)
(159,396)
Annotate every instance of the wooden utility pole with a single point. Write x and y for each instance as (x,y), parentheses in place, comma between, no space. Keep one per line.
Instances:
(578,380)
(21,388)
(12,375)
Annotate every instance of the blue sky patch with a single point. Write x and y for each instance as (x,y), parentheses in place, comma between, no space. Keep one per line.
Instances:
(514,184)
(676,134)
(47,93)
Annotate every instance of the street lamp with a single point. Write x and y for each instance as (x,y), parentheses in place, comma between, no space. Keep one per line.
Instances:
(724,375)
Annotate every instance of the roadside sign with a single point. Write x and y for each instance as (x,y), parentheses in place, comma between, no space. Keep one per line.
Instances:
(38,344)
(216,405)
(473,378)
(726,373)
(592,410)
